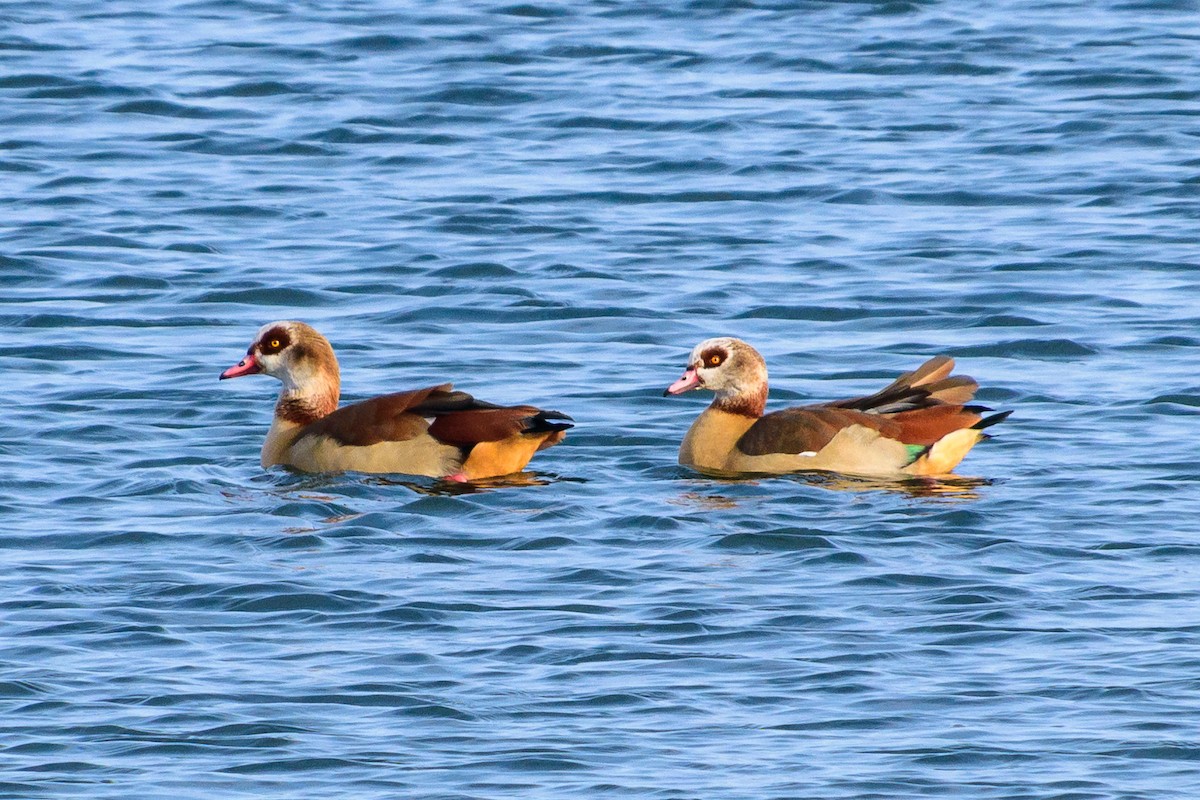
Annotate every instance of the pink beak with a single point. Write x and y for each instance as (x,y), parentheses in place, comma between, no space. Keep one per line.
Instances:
(247,366)
(689,381)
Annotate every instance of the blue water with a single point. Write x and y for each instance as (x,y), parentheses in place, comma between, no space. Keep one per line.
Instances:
(553,202)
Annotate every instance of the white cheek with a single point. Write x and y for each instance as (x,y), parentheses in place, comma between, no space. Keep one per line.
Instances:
(269,364)
(711,378)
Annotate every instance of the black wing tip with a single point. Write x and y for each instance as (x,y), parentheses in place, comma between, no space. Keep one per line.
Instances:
(988,422)
(548,422)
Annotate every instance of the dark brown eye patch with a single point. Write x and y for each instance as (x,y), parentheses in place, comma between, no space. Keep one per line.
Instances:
(712,357)
(273,341)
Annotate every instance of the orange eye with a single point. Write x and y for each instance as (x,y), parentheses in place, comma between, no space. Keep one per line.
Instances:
(274,343)
(714,360)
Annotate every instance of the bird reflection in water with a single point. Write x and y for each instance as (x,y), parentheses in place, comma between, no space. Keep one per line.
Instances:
(949,487)
(448,488)
(955,488)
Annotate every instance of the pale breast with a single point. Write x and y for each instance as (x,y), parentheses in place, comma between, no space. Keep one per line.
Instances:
(709,443)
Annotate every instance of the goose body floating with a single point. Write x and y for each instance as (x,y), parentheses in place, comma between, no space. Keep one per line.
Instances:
(434,431)
(920,424)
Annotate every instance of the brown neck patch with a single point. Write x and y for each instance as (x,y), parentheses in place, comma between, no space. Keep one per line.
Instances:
(748,404)
(301,410)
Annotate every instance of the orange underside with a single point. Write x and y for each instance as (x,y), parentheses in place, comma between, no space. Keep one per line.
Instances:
(506,456)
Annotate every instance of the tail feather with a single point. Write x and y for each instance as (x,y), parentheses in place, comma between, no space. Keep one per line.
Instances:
(955,391)
(932,371)
(928,385)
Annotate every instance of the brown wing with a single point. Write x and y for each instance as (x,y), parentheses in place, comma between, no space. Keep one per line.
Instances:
(806,430)
(490,423)
(918,408)
(388,418)
(809,429)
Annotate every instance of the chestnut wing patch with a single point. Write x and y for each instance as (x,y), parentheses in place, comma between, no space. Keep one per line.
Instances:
(491,423)
(388,418)
(924,426)
(461,420)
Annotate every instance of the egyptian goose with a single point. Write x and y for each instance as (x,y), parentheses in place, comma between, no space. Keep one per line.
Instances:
(917,425)
(435,431)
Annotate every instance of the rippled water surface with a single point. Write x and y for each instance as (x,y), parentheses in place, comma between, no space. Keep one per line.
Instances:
(552,202)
